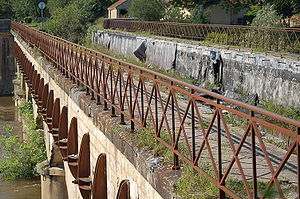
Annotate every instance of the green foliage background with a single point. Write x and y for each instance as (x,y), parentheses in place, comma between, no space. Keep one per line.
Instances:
(150,10)
(71,19)
(20,157)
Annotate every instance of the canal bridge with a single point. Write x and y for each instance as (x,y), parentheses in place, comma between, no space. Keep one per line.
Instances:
(97,110)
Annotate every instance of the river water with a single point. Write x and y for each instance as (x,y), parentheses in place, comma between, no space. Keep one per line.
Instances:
(18,189)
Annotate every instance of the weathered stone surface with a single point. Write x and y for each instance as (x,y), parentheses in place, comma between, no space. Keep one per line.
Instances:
(7,63)
(272,78)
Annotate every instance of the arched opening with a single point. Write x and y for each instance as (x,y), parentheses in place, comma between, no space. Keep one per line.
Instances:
(49,109)
(84,180)
(99,190)
(72,147)
(44,101)
(55,119)
(40,94)
(124,190)
(63,133)
(35,87)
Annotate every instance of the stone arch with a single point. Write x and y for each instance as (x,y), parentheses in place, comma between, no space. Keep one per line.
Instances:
(124,190)
(99,190)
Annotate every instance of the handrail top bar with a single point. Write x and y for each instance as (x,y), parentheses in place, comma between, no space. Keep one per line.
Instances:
(179,82)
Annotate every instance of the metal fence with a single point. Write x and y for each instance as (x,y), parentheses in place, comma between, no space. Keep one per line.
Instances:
(260,38)
(191,122)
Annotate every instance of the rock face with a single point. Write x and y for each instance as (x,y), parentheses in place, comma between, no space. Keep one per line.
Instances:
(271,78)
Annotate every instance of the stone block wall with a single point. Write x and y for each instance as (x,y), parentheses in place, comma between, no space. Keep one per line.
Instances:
(271,78)
(7,64)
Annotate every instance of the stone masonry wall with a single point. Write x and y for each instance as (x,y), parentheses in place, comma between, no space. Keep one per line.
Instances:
(123,160)
(272,78)
(7,64)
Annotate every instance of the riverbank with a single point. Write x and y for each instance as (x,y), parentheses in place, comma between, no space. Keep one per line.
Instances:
(15,189)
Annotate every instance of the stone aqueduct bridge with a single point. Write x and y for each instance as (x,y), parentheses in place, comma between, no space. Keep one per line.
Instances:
(95,108)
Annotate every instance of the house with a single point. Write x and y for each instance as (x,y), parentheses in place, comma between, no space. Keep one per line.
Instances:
(118,9)
(228,16)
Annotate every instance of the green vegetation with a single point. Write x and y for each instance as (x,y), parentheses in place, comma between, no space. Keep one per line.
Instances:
(145,140)
(176,14)
(192,185)
(251,14)
(5,10)
(289,112)
(237,186)
(20,157)
(219,38)
(198,15)
(88,35)
(70,20)
(267,17)
(147,10)
(235,121)
(62,25)
(170,73)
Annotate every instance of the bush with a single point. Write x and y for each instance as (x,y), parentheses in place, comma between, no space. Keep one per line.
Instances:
(219,38)
(5,10)
(199,15)
(251,14)
(20,158)
(70,20)
(267,17)
(147,10)
(88,36)
(177,14)
(68,23)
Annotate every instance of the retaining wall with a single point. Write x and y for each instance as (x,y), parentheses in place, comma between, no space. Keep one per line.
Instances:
(271,78)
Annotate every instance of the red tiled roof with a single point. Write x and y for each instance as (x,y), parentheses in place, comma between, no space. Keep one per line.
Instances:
(117,4)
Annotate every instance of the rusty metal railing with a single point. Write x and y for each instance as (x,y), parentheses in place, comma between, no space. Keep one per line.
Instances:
(267,38)
(193,123)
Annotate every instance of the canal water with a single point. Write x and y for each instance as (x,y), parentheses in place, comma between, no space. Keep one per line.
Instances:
(18,189)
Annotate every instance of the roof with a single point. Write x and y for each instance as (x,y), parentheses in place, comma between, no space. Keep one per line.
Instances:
(118,3)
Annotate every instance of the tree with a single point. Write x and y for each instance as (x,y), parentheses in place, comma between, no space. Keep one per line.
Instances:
(5,10)
(286,8)
(70,19)
(52,5)
(67,22)
(176,14)
(198,15)
(267,17)
(25,9)
(147,10)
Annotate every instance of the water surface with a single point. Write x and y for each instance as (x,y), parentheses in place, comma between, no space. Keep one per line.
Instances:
(17,189)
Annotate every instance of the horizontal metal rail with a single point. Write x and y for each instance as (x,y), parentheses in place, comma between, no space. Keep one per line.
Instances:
(267,38)
(177,113)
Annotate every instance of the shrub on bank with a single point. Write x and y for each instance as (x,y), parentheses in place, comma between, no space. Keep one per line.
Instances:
(20,157)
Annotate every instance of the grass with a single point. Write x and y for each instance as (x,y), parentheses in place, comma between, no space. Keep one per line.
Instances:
(192,185)
(289,112)
(235,122)
(237,186)
(145,141)
(170,73)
